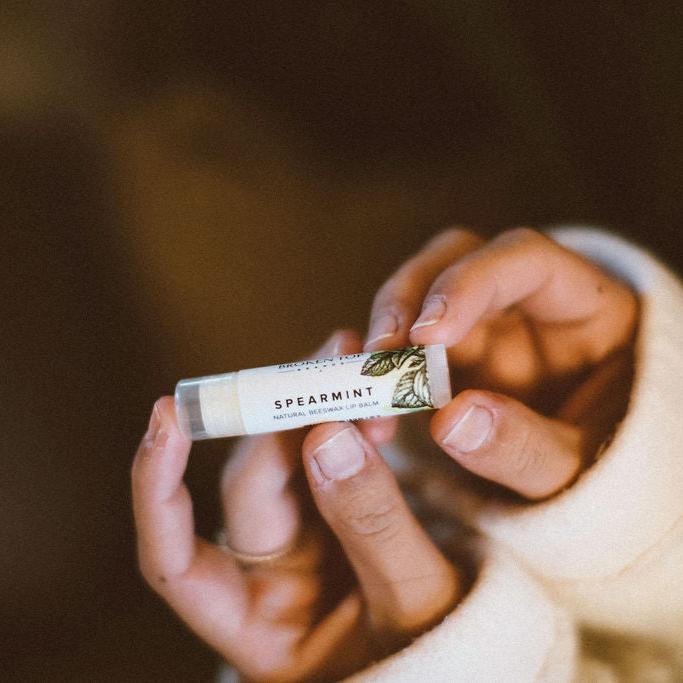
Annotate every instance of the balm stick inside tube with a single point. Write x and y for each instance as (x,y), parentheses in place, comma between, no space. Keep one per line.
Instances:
(291,395)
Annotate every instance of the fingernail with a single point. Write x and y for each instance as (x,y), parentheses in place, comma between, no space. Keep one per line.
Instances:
(154,434)
(471,430)
(330,346)
(341,456)
(381,327)
(432,311)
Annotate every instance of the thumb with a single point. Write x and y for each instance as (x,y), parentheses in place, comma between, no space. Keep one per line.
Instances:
(500,439)
(407,583)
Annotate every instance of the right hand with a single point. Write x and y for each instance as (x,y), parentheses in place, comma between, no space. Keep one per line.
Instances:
(339,600)
(539,341)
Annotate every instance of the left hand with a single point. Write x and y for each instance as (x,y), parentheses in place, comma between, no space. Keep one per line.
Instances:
(327,608)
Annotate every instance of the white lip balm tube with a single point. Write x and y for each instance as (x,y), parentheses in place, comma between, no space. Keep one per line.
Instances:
(291,395)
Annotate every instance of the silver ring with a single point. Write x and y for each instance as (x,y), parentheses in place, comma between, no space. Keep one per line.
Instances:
(248,559)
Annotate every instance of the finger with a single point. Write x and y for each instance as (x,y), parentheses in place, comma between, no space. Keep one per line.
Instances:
(379,430)
(161,502)
(261,509)
(332,650)
(399,299)
(406,580)
(338,646)
(502,440)
(201,583)
(582,312)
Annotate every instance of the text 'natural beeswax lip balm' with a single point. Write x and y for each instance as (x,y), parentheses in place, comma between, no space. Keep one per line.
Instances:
(291,395)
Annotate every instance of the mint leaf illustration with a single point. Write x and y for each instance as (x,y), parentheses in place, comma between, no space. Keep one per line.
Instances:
(378,364)
(412,390)
(421,386)
(415,354)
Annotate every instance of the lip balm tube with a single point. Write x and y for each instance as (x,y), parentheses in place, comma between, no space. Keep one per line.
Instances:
(291,395)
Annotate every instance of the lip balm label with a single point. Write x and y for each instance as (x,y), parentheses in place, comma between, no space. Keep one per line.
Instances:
(360,385)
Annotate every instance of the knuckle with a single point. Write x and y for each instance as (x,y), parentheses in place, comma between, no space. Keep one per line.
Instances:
(371,519)
(526,458)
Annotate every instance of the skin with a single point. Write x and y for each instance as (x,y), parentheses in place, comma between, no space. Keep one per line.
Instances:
(542,334)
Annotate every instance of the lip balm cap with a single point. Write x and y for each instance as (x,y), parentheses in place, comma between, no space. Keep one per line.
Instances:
(208,407)
(438,374)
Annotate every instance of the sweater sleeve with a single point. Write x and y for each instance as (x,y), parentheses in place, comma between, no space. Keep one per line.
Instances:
(506,628)
(611,546)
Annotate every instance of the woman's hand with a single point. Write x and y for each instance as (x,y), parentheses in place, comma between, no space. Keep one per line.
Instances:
(531,321)
(328,606)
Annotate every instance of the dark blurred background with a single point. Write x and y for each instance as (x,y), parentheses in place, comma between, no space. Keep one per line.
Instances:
(192,187)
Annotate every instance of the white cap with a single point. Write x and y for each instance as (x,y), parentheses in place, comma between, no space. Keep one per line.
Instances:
(437,374)
(209,407)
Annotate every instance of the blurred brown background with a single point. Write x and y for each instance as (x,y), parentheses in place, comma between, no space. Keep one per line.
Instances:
(193,187)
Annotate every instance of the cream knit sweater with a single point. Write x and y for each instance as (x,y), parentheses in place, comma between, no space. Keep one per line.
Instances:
(587,586)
